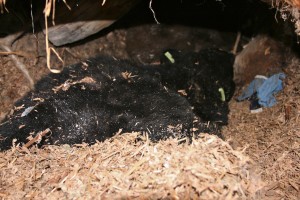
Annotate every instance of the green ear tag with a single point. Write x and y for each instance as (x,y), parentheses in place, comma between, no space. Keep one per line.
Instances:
(170,57)
(221,90)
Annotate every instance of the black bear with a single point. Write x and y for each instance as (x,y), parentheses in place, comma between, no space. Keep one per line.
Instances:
(185,95)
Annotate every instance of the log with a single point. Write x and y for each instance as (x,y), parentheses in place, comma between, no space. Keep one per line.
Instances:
(84,19)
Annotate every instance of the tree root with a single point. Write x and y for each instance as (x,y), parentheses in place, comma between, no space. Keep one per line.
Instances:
(5,44)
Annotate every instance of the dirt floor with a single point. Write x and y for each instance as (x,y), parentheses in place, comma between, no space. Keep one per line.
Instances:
(271,138)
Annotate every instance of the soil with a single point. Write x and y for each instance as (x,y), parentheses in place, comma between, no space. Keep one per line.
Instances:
(271,138)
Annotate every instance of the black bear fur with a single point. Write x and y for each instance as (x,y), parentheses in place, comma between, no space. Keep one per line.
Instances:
(96,98)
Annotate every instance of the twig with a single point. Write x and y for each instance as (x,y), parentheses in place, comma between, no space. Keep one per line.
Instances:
(14,53)
(236,44)
(19,65)
(37,138)
(4,45)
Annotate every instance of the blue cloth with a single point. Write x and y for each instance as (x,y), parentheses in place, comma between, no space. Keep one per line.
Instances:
(252,88)
(264,89)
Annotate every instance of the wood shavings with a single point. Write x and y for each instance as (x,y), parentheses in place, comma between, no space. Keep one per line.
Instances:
(68,83)
(123,167)
(272,137)
(37,138)
(128,75)
(182,92)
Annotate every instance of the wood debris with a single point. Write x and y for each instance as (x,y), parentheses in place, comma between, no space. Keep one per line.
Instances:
(122,167)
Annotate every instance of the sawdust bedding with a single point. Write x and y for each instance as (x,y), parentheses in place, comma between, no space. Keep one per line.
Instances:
(271,138)
(122,168)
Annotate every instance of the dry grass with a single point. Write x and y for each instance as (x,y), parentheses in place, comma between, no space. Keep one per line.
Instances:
(289,10)
(123,168)
(2,6)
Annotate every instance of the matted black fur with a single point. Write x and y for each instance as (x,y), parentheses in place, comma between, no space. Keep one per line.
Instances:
(92,100)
